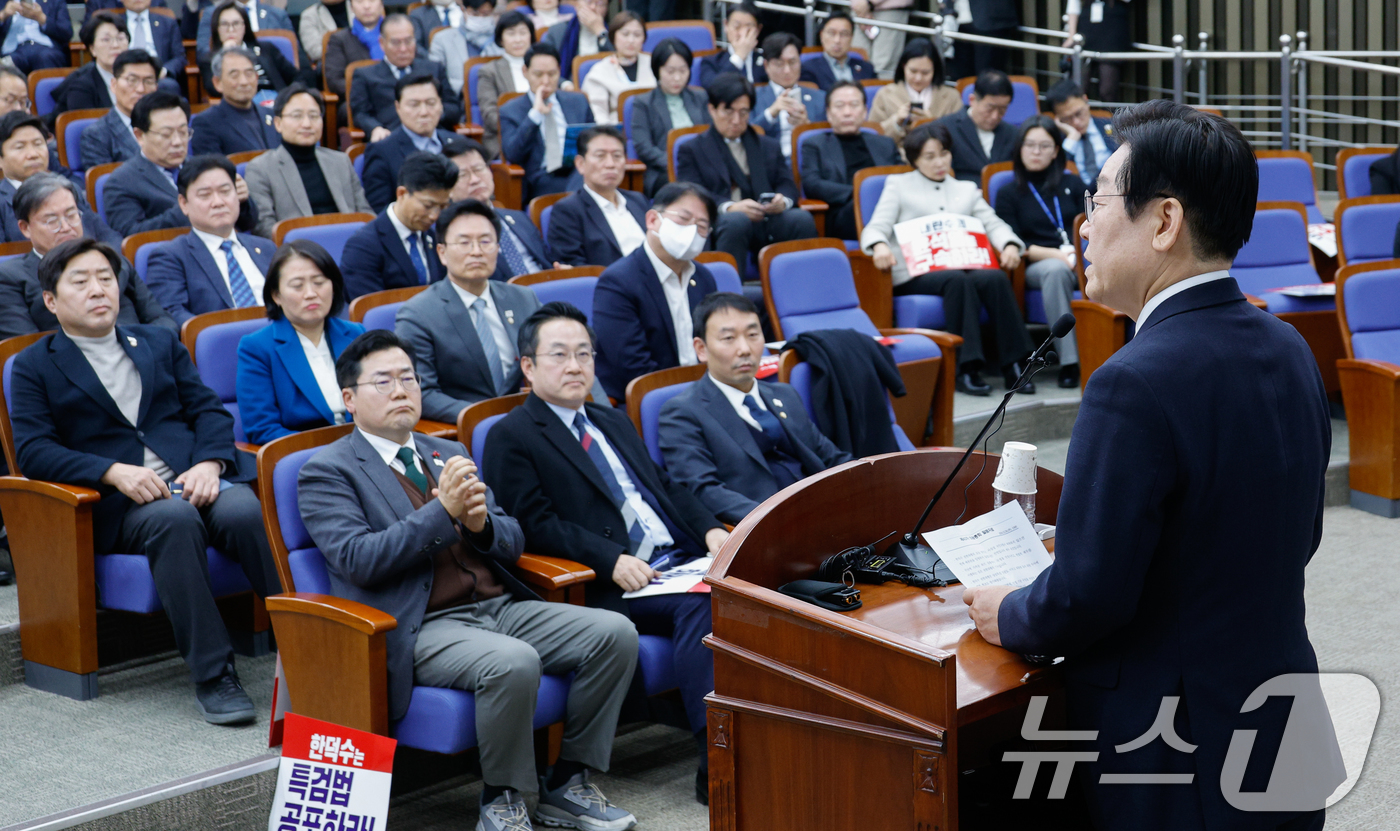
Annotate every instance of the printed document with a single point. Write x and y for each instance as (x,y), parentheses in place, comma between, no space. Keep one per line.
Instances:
(998,548)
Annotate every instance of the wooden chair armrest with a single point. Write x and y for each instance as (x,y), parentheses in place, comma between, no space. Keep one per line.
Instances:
(440,429)
(358,617)
(941,405)
(70,495)
(945,340)
(248,446)
(1371,392)
(817,209)
(557,580)
(475,131)
(1097,308)
(1381,369)
(1257,302)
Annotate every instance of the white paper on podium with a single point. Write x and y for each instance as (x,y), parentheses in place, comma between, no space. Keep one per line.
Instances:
(998,548)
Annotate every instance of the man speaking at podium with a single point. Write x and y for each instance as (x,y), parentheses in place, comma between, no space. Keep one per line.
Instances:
(1192,502)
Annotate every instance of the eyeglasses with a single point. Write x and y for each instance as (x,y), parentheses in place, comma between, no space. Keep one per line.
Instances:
(740,114)
(73,219)
(181,133)
(385,386)
(686,219)
(1090,204)
(302,115)
(1039,147)
(560,357)
(484,245)
(22,102)
(139,81)
(110,40)
(230,25)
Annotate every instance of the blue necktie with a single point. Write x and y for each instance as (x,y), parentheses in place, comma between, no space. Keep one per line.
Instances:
(772,428)
(417,258)
(636,534)
(514,261)
(237,280)
(488,344)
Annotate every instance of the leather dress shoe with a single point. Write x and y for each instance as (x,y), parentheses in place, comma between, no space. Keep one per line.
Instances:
(1011,372)
(1069,376)
(971,383)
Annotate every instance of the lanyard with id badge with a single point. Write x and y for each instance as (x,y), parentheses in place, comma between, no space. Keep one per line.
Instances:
(1066,247)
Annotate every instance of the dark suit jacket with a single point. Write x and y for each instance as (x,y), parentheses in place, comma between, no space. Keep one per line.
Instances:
(379,551)
(99,5)
(277,392)
(519,224)
(1385,175)
(968,158)
(375,259)
(711,451)
(68,429)
(170,46)
(425,19)
(1200,455)
(989,15)
(707,162)
(221,130)
(58,27)
(269,17)
(93,225)
(382,162)
(372,95)
(544,478)
(651,123)
(521,141)
(82,89)
(140,196)
(22,309)
(342,49)
(579,234)
(184,277)
(718,63)
(107,140)
(824,174)
(818,71)
(635,331)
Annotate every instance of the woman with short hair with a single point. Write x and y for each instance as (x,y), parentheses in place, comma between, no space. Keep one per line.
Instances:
(672,105)
(627,68)
(916,94)
(515,34)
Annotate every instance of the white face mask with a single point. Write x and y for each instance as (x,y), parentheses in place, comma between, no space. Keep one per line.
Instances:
(680,241)
(480,25)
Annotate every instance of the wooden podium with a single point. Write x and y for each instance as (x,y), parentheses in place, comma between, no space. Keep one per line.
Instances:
(855,721)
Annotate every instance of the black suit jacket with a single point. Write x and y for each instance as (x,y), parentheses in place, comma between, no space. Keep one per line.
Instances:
(719,63)
(579,234)
(651,123)
(222,130)
(83,89)
(543,478)
(519,224)
(107,140)
(968,158)
(375,259)
(824,174)
(372,95)
(1385,175)
(383,159)
(68,429)
(818,71)
(706,161)
(140,196)
(1199,459)
(22,309)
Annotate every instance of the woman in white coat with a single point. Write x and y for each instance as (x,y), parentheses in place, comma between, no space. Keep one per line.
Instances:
(931,189)
(627,68)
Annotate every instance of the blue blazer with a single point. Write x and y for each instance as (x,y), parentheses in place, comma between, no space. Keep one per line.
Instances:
(107,140)
(520,137)
(375,259)
(579,234)
(68,429)
(818,71)
(269,17)
(383,159)
(813,99)
(633,322)
(1198,461)
(277,394)
(711,450)
(222,131)
(185,279)
(524,230)
(372,95)
(140,196)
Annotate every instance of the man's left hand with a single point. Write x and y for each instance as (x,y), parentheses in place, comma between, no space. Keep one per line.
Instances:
(714,538)
(985,603)
(201,483)
(240,188)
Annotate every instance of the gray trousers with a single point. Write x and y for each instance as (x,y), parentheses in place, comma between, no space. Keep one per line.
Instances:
(1057,284)
(498,648)
(885,50)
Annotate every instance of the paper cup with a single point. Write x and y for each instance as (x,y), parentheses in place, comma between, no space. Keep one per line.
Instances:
(1016,471)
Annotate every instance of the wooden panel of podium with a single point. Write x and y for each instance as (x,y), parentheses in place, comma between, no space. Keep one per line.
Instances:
(855,721)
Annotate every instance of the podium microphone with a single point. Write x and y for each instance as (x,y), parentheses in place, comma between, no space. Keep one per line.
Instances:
(910,550)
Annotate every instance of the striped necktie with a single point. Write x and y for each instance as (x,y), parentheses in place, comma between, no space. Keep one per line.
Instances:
(237,280)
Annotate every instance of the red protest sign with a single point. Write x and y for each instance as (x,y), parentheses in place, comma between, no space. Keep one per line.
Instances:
(945,241)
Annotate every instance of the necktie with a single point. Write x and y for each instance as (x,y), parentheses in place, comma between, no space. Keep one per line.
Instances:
(488,344)
(553,147)
(138,32)
(515,261)
(768,422)
(1091,162)
(417,258)
(237,280)
(636,534)
(411,471)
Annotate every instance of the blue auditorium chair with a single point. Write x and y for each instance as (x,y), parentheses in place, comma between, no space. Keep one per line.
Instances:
(994,176)
(646,394)
(286,43)
(1354,170)
(1025,100)
(42,83)
(376,310)
(571,285)
(68,131)
(1287,176)
(473,76)
(1368,309)
(726,274)
(212,340)
(699,35)
(330,230)
(1366,229)
(915,311)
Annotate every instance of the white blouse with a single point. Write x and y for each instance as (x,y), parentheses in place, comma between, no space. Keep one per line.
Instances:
(323,370)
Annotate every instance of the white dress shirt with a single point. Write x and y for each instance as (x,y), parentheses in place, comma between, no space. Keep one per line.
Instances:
(250,269)
(1075,148)
(517,73)
(736,397)
(1173,290)
(678,300)
(504,347)
(988,138)
(587,42)
(140,22)
(744,65)
(251,7)
(389,451)
(453,16)
(561,125)
(404,233)
(651,522)
(623,225)
(784,136)
(322,363)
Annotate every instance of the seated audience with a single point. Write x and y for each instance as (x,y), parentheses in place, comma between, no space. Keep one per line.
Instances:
(546,13)
(110,139)
(780,104)
(273,70)
(1089,139)
(358,42)
(598,224)
(236,124)
(643,302)
(578,478)
(213,267)
(317,21)
(418,108)
(737,168)
(398,249)
(729,438)
(159,37)
(35,35)
(586,33)
(838,62)
(258,15)
(433,15)
(24,153)
(533,126)
(300,177)
(917,92)
(930,189)
(89,87)
(50,211)
(980,135)
(672,105)
(286,371)
(741,28)
(375,505)
(142,194)
(831,161)
(628,68)
(374,93)
(473,37)
(121,409)
(515,34)
(1040,207)
(1385,175)
(522,248)
(463,329)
